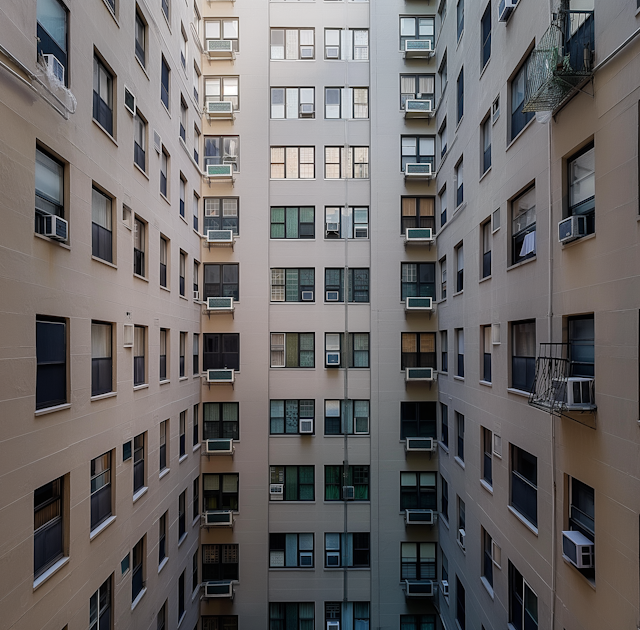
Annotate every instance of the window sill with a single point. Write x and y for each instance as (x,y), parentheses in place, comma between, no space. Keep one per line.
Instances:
(146,74)
(139,387)
(136,601)
(196,521)
(526,522)
(136,166)
(518,392)
(488,586)
(135,275)
(103,396)
(486,383)
(197,374)
(164,472)
(458,293)
(588,237)
(41,579)
(182,618)
(94,532)
(484,68)
(462,548)
(197,447)
(589,581)
(486,486)
(444,520)
(182,539)
(104,262)
(522,262)
(44,412)
(485,174)
(458,378)
(183,378)
(165,198)
(182,458)
(51,240)
(140,493)
(519,134)
(459,208)
(163,563)
(182,297)
(484,279)
(165,289)
(185,221)
(460,463)
(99,126)
(195,594)
(444,447)
(165,381)
(115,19)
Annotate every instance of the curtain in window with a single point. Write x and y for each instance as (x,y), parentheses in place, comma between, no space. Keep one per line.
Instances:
(361,615)
(292,350)
(291,483)
(361,350)
(277,416)
(306,350)
(426,84)
(277,350)
(291,283)
(305,611)
(332,483)
(49,177)
(305,476)
(347,550)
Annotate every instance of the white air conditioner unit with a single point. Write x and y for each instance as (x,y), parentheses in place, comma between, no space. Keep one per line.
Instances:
(418,48)
(418,236)
(220,171)
(418,108)
(220,48)
(219,109)
(420,588)
(419,517)
(419,374)
(218,589)
(218,518)
(332,359)
(221,376)
(220,304)
(461,536)
(505,9)
(222,446)
(306,52)
(333,625)
(348,493)
(578,549)
(576,393)
(361,425)
(420,444)
(332,296)
(276,491)
(307,296)
(127,336)
(129,101)
(332,52)
(157,141)
(333,228)
(333,558)
(306,558)
(56,227)
(418,304)
(220,237)
(306,425)
(196,296)
(418,170)
(55,66)
(572,228)
(361,231)
(307,109)
(444,587)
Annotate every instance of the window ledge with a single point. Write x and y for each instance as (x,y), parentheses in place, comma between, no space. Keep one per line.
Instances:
(165,381)
(522,262)
(111,13)
(485,173)
(50,240)
(183,297)
(588,237)
(484,279)
(182,618)
(486,486)
(164,472)
(41,579)
(97,124)
(197,446)
(525,521)
(135,275)
(195,594)
(186,222)
(637,13)
(459,123)
(488,586)
(464,551)
(104,262)
(182,458)
(459,208)
(518,392)
(44,412)
(146,74)
(444,447)
(458,378)
(182,539)
(138,387)
(484,68)
(486,383)
(140,493)
(163,563)
(197,374)
(167,289)
(444,520)
(101,527)
(136,166)
(196,521)
(103,396)
(521,132)
(458,461)
(458,293)
(165,198)
(183,378)
(140,595)
(590,582)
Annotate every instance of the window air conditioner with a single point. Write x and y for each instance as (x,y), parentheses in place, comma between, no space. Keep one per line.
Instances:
(219,109)
(418,235)
(307,296)
(444,587)
(461,537)
(220,304)
(332,52)
(56,227)
(221,376)
(157,141)
(129,101)
(333,228)
(306,52)
(196,296)
(418,304)
(306,425)
(361,231)
(55,65)
(128,336)
(276,491)
(218,518)
(575,393)
(348,493)
(572,228)
(219,47)
(307,109)
(419,517)
(505,9)
(220,237)
(420,444)
(332,296)
(333,359)
(333,625)
(220,171)
(333,558)
(419,588)
(578,549)
(218,589)
(306,558)
(419,374)
(219,447)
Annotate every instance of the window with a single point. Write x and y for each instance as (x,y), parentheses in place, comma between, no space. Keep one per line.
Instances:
(524,484)
(164,259)
(164,435)
(418,150)
(418,212)
(102,95)
(196,417)
(460,432)
(140,141)
(354,354)
(346,222)
(346,417)
(486,341)
(461,614)
(418,622)
(49,527)
(290,615)
(222,89)
(196,354)
(137,576)
(164,172)
(487,458)
(443,138)
(183,50)
(162,617)
(443,278)
(459,268)
(460,351)
(418,560)
(195,202)
(195,584)
(582,185)
(443,206)
(100,489)
(183,193)
(292,102)
(139,352)
(196,501)
(220,351)
(459,181)
(346,550)
(165,8)
(164,335)
(285,415)
(346,162)
(461,518)
(486,144)
(418,491)
(444,499)
(358,285)
(101,234)
(291,550)
(460,22)
(346,44)
(196,144)
(139,246)
(52,32)
(487,560)
(523,355)
(164,83)
(162,537)
(292,350)
(292,43)
(523,602)
(49,185)
(221,281)
(523,226)
(298,482)
(444,420)
(182,515)
(417,419)
(340,102)
(215,622)
(183,432)
(293,222)
(226,29)
(417,86)
(220,421)
(519,118)
(141,39)
(485,35)
(353,614)
(444,351)
(417,28)
(460,95)
(443,73)
(292,162)
(221,213)
(418,350)
(138,462)
(581,338)
(183,273)
(292,285)
(51,357)
(100,607)
(582,512)
(418,279)
(337,478)
(101,359)
(485,230)
(219,562)
(219,492)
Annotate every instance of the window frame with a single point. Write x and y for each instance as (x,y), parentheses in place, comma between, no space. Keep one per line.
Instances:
(292,410)
(350,162)
(101,365)
(216,360)
(346,549)
(165,83)
(138,569)
(295,486)
(519,479)
(287,47)
(288,283)
(46,44)
(222,218)
(220,498)
(48,166)
(222,30)
(344,475)
(48,362)
(520,240)
(418,216)
(413,282)
(417,157)
(139,462)
(291,155)
(140,47)
(50,535)
(227,424)
(523,339)
(518,119)
(140,360)
(289,101)
(224,91)
(485,36)
(347,221)
(418,495)
(220,570)
(345,422)
(418,419)
(586,207)
(423,567)
(419,357)
(517,585)
(282,543)
(287,339)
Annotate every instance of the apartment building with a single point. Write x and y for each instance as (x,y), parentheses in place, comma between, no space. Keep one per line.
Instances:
(98,397)
(538,205)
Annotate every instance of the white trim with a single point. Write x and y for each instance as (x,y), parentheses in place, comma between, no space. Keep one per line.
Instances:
(135,602)
(164,472)
(140,493)
(528,524)
(41,579)
(101,527)
(42,412)
(138,387)
(103,396)
(163,563)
